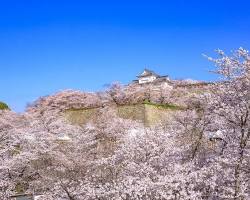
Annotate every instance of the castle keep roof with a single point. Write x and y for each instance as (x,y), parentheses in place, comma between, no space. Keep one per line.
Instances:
(146,73)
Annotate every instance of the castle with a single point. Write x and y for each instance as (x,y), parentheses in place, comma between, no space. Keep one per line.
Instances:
(148,76)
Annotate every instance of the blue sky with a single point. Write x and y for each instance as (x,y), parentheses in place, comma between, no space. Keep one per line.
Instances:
(51,45)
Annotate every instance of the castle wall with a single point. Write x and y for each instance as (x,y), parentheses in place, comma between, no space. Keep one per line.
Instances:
(156,114)
(81,116)
(147,114)
(133,112)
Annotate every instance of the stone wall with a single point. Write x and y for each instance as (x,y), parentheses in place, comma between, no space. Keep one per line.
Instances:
(133,112)
(147,114)
(81,116)
(154,114)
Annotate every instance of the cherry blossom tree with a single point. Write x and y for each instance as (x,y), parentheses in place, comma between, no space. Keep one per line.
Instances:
(231,103)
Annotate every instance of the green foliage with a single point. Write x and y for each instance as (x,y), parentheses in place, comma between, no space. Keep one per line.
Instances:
(3,106)
(165,106)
